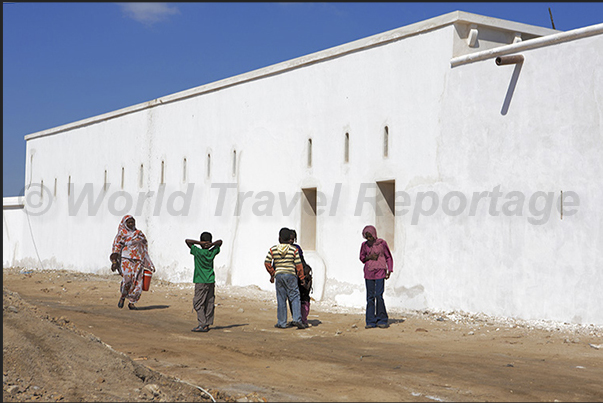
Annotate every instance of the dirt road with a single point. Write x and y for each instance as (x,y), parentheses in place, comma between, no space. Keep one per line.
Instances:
(420,357)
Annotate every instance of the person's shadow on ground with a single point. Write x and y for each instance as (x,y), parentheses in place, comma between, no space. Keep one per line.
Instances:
(314,322)
(151,307)
(392,321)
(229,326)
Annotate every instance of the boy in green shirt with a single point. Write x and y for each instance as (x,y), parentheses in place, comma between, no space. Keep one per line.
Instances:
(204,279)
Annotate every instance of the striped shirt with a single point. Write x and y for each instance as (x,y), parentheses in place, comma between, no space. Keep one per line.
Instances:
(284,258)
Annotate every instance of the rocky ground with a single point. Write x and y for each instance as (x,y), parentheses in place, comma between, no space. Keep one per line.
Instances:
(64,339)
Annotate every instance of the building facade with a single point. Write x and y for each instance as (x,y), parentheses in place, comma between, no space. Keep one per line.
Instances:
(481,171)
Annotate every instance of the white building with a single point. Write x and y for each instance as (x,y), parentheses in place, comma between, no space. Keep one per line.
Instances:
(370,132)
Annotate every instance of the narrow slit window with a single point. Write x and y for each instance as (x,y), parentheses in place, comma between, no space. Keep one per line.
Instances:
(309,153)
(141,176)
(386,142)
(234,162)
(69,186)
(105,185)
(54,193)
(208,165)
(346,148)
(30,168)
(162,172)
(41,189)
(122,177)
(184,170)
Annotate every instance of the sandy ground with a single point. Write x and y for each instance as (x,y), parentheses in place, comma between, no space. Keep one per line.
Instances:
(65,339)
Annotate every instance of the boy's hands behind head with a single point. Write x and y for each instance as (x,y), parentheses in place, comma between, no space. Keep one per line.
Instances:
(208,244)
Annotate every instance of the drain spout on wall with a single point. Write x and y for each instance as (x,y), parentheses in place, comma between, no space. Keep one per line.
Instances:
(502,60)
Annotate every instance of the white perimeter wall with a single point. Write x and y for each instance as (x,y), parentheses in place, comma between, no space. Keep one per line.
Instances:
(447,133)
(549,140)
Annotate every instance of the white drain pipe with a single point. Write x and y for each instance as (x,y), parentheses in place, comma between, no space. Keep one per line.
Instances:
(529,44)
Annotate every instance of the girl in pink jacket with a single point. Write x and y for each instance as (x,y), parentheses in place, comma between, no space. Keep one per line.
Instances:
(378,265)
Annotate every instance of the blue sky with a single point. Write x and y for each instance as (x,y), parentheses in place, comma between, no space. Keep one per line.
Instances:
(63,62)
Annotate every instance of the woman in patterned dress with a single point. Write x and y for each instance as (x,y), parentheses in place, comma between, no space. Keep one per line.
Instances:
(129,257)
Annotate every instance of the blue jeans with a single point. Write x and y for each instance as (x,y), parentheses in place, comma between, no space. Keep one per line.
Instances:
(376,314)
(287,289)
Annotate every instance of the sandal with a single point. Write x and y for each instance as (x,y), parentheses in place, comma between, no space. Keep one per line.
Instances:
(120,304)
(132,306)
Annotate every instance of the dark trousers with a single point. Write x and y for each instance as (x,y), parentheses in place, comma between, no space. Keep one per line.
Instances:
(376,314)
(203,302)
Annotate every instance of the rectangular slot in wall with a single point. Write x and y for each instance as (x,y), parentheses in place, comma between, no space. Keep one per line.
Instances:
(386,142)
(208,165)
(307,233)
(184,170)
(234,163)
(385,218)
(346,148)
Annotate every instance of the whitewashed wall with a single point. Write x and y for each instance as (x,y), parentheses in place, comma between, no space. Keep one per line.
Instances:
(447,133)
(13,226)
(549,138)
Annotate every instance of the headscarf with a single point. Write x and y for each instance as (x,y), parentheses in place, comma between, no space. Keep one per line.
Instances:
(373,231)
(377,246)
(132,244)
(374,269)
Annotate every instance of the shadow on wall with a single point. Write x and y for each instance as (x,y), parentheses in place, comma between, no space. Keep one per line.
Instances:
(511,89)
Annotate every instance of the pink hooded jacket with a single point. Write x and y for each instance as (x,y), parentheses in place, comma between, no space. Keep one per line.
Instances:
(376,269)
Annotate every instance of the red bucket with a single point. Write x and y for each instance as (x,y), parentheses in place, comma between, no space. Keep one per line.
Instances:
(146,279)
